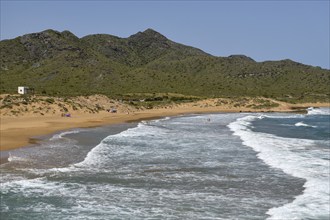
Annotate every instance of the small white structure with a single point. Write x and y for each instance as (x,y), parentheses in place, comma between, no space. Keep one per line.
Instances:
(23,90)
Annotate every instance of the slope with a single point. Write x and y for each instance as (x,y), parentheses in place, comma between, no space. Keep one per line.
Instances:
(59,63)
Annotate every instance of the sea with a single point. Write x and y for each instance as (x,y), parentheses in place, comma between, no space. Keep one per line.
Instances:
(210,166)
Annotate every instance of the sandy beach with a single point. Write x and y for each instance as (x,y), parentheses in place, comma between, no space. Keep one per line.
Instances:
(19,131)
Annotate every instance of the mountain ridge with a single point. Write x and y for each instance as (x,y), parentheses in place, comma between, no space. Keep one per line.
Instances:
(60,63)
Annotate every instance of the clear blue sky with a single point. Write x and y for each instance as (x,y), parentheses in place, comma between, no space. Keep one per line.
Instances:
(263,30)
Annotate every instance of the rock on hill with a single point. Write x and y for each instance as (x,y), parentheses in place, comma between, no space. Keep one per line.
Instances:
(59,63)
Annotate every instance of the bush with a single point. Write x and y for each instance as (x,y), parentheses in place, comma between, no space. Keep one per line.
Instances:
(50,100)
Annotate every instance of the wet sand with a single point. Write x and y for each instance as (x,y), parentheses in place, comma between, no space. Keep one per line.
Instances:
(20,131)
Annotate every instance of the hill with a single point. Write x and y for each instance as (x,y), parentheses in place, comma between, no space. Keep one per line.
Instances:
(61,64)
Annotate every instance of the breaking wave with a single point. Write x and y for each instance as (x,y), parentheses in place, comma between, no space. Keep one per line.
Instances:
(296,157)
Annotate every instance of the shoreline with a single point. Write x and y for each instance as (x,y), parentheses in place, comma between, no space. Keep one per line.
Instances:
(30,127)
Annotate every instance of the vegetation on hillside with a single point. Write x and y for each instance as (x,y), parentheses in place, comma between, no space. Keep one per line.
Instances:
(19,105)
(61,64)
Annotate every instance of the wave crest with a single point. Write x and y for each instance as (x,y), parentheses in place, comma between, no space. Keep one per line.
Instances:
(289,155)
(318,111)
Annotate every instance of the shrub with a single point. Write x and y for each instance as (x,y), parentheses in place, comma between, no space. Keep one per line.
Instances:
(50,100)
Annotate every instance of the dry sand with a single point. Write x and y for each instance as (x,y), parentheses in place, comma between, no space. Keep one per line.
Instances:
(18,130)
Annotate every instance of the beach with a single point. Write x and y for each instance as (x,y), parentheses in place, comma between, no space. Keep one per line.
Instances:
(241,165)
(29,125)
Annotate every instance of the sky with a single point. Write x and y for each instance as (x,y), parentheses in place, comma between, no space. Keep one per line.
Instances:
(263,30)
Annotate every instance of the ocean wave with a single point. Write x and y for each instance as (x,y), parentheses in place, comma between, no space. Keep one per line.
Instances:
(289,155)
(318,111)
(99,201)
(161,119)
(302,124)
(96,160)
(62,134)
(12,158)
(153,166)
(282,115)
(98,156)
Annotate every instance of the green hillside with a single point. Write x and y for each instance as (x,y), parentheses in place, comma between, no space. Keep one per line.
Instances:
(59,63)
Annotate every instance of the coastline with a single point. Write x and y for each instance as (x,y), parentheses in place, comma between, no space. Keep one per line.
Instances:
(20,131)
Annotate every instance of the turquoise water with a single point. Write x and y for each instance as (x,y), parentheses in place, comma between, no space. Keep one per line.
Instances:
(217,166)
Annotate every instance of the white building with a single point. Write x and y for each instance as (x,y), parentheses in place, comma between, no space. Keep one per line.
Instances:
(23,90)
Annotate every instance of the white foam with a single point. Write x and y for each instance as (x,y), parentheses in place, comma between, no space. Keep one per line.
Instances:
(29,186)
(318,111)
(162,119)
(262,116)
(62,134)
(98,157)
(283,116)
(12,158)
(94,157)
(302,124)
(99,154)
(288,154)
(104,198)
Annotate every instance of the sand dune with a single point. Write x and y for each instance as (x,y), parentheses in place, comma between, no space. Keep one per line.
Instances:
(22,122)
